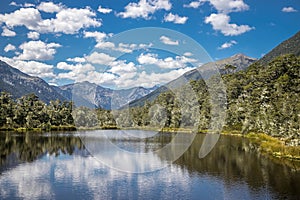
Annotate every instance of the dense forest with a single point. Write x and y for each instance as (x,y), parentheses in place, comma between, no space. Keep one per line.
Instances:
(263,98)
(30,112)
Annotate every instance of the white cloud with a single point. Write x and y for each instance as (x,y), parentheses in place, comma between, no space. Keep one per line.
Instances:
(169,41)
(175,18)
(144,8)
(29,17)
(166,63)
(220,22)
(84,72)
(104,10)
(32,68)
(100,58)
(7,33)
(67,20)
(37,50)
(77,60)
(49,7)
(77,68)
(120,67)
(227,44)
(27,5)
(227,6)
(9,47)
(193,4)
(33,35)
(222,6)
(149,80)
(13,3)
(121,47)
(99,36)
(289,9)
(188,54)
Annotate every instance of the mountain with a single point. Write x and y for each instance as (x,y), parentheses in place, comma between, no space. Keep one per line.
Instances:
(289,46)
(232,64)
(19,84)
(92,95)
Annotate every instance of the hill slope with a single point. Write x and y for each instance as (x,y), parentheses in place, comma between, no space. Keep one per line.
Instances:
(19,84)
(289,46)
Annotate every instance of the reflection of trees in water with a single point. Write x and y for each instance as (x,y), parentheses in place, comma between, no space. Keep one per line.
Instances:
(235,159)
(28,147)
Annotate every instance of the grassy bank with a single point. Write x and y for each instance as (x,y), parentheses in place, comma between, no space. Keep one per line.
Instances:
(274,148)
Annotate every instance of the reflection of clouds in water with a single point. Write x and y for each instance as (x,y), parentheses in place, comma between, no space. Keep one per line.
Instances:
(26,182)
(42,179)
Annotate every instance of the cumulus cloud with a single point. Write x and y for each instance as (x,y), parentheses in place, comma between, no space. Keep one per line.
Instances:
(33,35)
(166,40)
(37,50)
(121,67)
(9,47)
(121,47)
(100,58)
(175,18)
(188,54)
(193,4)
(77,60)
(49,7)
(289,9)
(166,63)
(7,33)
(222,6)
(220,22)
(144,8)
(84,72)
(151,79)
(228,44)
(69,21)
(227,6)
(104,10)
(32,68)
(99,36)
(66,20)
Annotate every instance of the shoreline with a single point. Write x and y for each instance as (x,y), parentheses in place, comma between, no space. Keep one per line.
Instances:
(272,147)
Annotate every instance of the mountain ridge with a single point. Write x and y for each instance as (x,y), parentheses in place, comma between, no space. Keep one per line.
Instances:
(238,61)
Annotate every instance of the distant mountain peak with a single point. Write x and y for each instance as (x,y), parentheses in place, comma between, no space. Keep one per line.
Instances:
(241,55)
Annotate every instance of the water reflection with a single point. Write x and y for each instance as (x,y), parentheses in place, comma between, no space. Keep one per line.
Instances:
(18,148)
(236,160)
(58,167)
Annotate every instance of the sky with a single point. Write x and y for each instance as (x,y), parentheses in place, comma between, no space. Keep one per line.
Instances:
(122,44)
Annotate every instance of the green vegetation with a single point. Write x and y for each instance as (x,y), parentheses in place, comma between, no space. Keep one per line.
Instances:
(29,113)
(261,99)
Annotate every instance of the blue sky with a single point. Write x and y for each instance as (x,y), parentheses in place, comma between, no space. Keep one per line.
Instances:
(68,41)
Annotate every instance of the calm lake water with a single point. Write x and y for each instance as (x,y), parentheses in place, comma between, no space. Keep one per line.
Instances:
(92,165)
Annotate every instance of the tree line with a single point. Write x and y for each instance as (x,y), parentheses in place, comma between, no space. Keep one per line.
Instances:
(263,98)
(30,112)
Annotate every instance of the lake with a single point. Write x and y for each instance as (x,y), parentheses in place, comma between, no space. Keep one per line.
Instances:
(114,164)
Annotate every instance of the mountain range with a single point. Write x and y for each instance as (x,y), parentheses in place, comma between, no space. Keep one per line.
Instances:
(19,84)
(88,94)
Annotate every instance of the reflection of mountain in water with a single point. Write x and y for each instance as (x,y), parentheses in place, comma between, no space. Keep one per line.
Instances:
(15,149)
(235,159)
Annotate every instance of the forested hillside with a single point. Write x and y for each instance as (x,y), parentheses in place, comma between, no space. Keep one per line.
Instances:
(262,98)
